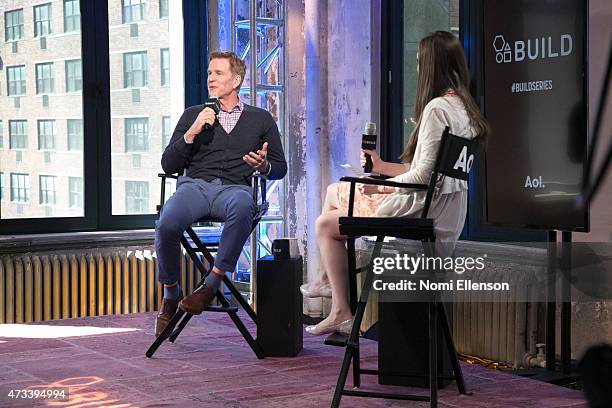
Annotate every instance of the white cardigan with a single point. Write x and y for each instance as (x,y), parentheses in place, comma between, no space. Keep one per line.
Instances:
(449,203)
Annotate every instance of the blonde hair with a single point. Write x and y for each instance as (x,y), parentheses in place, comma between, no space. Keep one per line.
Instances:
(237,66)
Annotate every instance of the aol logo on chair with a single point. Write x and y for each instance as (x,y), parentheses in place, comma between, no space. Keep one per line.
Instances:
(464,162)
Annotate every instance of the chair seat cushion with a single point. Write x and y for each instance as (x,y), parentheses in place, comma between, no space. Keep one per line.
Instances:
(410,228)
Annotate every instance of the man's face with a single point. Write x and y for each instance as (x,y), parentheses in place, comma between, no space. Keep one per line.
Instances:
(221,80)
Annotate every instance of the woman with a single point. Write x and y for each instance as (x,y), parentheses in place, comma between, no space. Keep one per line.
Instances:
(442,99)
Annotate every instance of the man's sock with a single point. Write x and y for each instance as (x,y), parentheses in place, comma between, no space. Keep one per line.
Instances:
(214,280)
(171,292)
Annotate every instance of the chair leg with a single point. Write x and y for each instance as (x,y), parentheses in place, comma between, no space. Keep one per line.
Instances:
(180,327)
(433,355)
(451,349)
(164,334)
(352,344)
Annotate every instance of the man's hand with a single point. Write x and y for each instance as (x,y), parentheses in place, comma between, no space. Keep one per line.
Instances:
(258,160)
(207,116)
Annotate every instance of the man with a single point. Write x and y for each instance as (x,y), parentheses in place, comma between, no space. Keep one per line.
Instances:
(220,153)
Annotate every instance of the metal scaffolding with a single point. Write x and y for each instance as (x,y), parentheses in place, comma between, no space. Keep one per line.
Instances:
(257,35)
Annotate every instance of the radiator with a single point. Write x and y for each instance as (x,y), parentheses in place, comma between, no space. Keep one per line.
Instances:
(503,330)
(49,286)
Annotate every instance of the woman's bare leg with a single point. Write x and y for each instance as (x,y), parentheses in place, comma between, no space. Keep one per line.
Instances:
(331,203)
(333,257)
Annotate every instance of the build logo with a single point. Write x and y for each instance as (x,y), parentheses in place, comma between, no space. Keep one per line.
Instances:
(532,49)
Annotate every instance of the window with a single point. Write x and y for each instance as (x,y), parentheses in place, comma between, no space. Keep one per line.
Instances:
(18,134)
(165,131)
(20,188)
(46,134)
(74,77)
(137,197)
(13,25)
(44,78)
(163,8)
(136,134)
(1,135)
(47,190)
(1,185)
(135,67)
(42,20)
(132,10)
(165,66)
(75,134)
(72,16)
(15,80)
(75,192)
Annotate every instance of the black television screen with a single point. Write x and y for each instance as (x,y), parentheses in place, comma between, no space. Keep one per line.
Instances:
(535,100)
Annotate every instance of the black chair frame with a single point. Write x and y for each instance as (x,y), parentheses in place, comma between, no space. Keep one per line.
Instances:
(194,247)
(407,228)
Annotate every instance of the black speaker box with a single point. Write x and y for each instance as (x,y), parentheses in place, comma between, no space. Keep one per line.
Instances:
(403,345)
(279,306)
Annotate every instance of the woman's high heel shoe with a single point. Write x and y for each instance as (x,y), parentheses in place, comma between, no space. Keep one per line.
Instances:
(321,291)
(342,327)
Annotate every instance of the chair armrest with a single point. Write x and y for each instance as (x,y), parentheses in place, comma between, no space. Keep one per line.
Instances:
(376,182)
(259,180)
(383,183)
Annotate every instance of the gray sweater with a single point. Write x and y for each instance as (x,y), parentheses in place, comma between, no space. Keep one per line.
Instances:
(217,154)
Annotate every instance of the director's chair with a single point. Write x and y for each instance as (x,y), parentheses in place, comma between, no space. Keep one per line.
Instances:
(453,150)
(194,246)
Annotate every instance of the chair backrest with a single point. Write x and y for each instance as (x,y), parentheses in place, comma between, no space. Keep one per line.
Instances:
(454,159)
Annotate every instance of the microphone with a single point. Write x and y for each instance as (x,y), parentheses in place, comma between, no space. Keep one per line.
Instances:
(368,142)
(213,103)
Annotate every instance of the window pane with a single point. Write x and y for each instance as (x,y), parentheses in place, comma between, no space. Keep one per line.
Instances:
(75,192)
(163,8)
(142,115)
(43,136)
(42,20)
(46,134)
(72,15)
(74,77)
(44,78)
(13,25)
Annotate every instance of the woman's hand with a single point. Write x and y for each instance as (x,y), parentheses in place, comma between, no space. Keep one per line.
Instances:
(377,162)
(369,189)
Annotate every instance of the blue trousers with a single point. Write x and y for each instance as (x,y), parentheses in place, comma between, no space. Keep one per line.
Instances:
(195,199)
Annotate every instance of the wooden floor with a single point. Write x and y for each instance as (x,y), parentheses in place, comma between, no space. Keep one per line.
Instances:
(101,360)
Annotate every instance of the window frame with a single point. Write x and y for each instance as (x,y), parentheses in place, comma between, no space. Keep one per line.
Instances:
(78,194)
(20,25)
(77,79)
(21,81)
(129,76)
(40,24)
(134,143)
(25,188)
(44,194)
(164,66)
(43,124)
(132,200)
(75,136)
(22,136)
(72,17)
(42,81)
(129,10)
(97,214)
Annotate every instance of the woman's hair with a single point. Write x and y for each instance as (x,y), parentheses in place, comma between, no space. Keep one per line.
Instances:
(442,67)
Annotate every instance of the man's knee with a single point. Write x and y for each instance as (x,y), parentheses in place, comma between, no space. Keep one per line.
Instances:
(241,206)
(324,224)
(167,226)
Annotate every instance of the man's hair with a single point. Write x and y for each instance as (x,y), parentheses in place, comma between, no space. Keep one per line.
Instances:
(237,66)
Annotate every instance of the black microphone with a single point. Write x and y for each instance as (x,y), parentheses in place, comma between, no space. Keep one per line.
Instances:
(213,103)
(368,142)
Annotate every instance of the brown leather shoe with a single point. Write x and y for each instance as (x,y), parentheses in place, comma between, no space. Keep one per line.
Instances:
(198,300)
(166,312)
